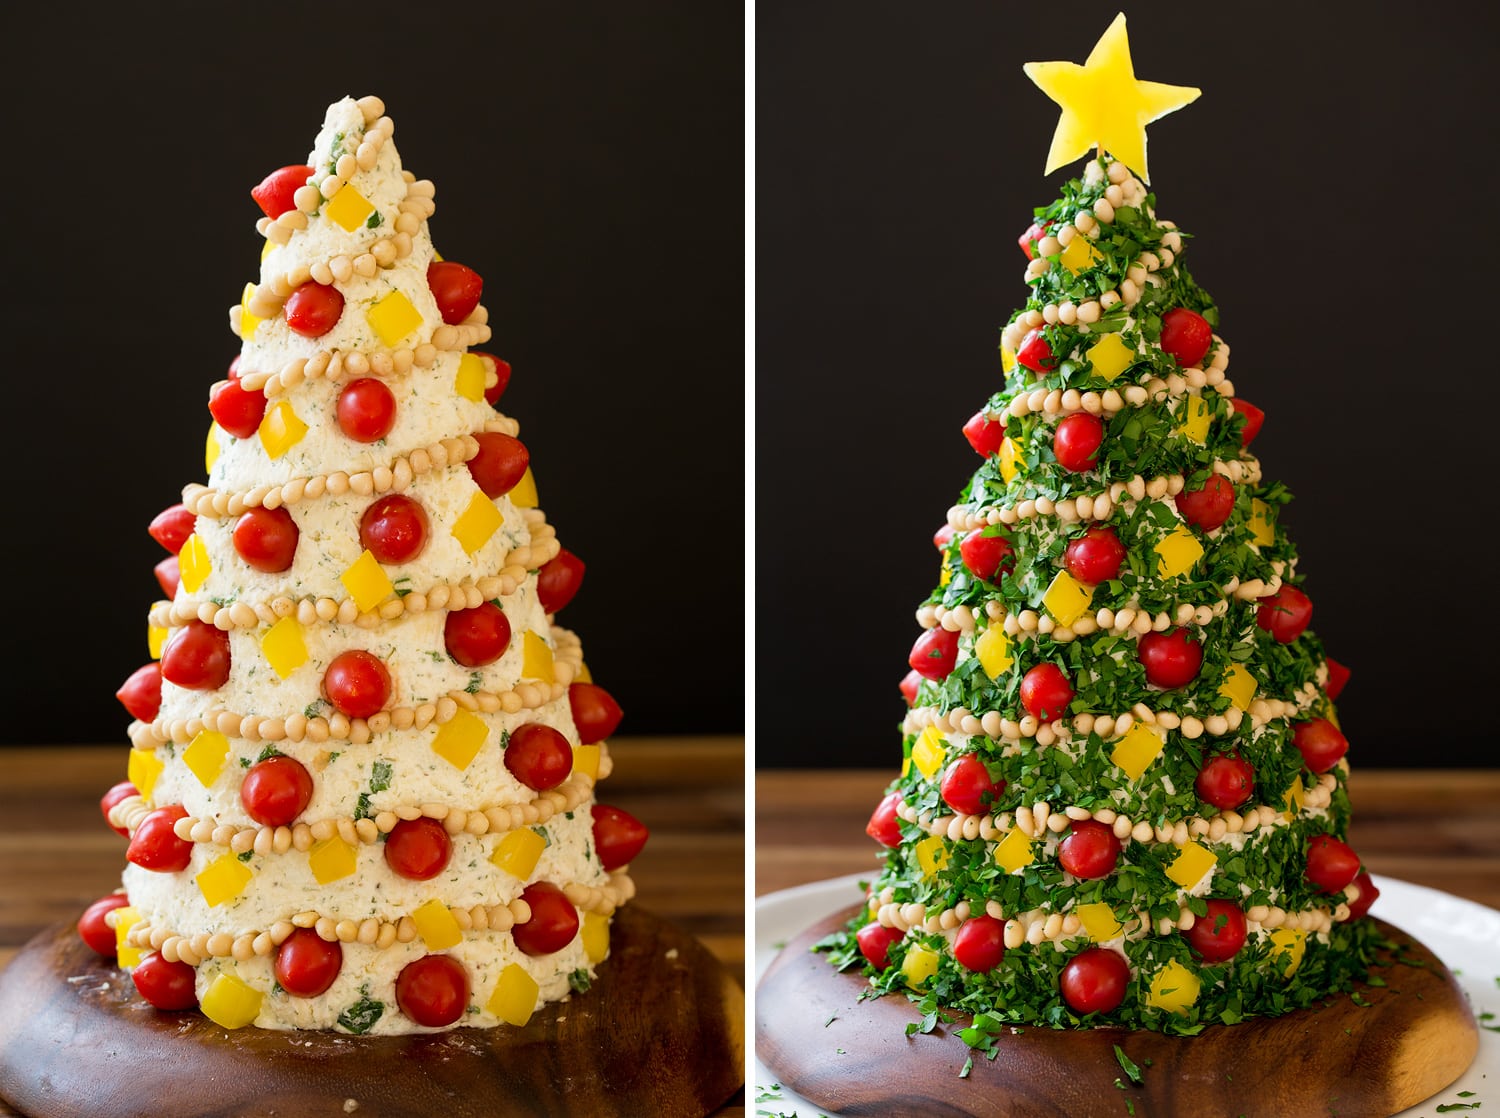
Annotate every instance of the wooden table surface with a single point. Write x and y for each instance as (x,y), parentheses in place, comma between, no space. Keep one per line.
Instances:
(57,855)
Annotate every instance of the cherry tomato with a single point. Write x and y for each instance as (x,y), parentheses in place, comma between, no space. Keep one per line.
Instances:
(1368,895)
(1338,675)
(394,528)
(500,463)
(314,309)
(366,410)
(1208,506)
(168,575)
(1284,614)
(1034,233)
(595,712)
(456,289)
(553,923)
(875,943)
(1171,658)
(418,849)
(987,556)
(1077,440)
(1046,692)
(121,791)
(1220,934)
(166,985)
(1254,417)
(493,393)
(934,653)
(1331,864)
(276,791)
(196,657)
(357,683)
(980,943)
(943,537)
(618,836)
(306,963)
(266,539)
(1320,742)
(1035,354)
(172,526)
(1089,850)
(1095,556)
(140,694)
(909,684)
(1095,980)
(275,193)
(984,434)
(155,845)
(885,825)
(1225,780)
(968,788)
(478,636)
(558,580)
(1186,335)
(94,931)
(433,990)
(538,756)
(237,410)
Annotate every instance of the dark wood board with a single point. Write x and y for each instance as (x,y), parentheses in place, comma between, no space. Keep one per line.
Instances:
(854,1057)
(655,1037)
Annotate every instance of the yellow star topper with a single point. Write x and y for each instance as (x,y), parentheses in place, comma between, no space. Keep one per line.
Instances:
(1103,105)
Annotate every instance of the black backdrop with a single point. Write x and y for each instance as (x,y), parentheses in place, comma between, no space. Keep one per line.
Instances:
(589,162)
(1338,173)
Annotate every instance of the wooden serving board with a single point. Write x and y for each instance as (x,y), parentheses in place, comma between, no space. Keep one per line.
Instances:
(659,1035)
(1355,1062)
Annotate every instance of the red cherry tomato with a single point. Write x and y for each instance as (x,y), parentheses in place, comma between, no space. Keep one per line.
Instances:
(140,694)
(493,393)
(1284,614)
(1331,864)
(418,849)
(1171,658)
(276,791)
(314,309)
(987,556)
(1034,233)
(558,580)
(553,923)
(357,683)
(980,943)
(1338,675)
(433,990)
(984,434)
(934,653)
(168,575)
(1225,780)
(394,528)
(909,684)
(618,836)
(875,943)
(1035,354)
(595,712)
(94,931)
(166,985)
(172,526)
(196,657)
(1186,335)
(155,845)
(943,537)
(275,193)
(1254,417)
(456,289)
(266,539)
(1095,556)
(121,791)
(1095,980)
(1220,934)
(306,963)
(366,410)
(1077,440)
(478,636)
(1089,850)
(538,756)
(500,463)
(968,788)
(1368,895)
(1320,742)
(885,825)
(1046,692)
(236,410)
(1208,506)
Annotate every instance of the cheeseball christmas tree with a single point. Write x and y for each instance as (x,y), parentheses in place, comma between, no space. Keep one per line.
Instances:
(1122,798)
(361,784)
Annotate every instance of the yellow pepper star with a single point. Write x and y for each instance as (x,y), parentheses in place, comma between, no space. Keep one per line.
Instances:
(1103,105)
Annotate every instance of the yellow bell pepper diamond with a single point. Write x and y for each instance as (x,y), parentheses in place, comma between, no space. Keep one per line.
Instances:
(367,582)
(1110,356)
(223,879)
(1195,419)
(1177,552)
(205,755)
(193,565)
(1239,686)
(477,523)
(517,852)
(992,647)
(436,925)
(514,999)
(920,964)
(281,429)
(1134,752)
(230,1002)
(1067,599)
(1174,988)
(932,855)
(1079,254)
(459,739)
(1194,860)
(125,917)
(1293,944)
(1099,922)
(929,752)
(594,935)
(393,317)
(349,208)
(332,859)
(283,647)
(1014,852)
(142,770)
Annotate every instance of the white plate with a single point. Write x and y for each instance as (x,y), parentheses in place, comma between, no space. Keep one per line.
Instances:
(1465,935)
